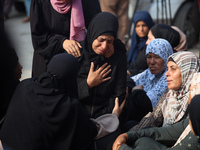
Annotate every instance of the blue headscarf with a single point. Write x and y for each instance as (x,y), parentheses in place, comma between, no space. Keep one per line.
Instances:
(160,47)
(155,84)
(136,42)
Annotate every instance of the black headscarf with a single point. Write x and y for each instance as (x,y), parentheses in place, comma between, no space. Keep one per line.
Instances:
(42,114)
(104,23)
(194,114)
(9,62)
(166,32)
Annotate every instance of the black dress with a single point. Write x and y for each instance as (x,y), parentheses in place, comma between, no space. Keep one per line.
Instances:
(100,100)
(44,114)
(49,29)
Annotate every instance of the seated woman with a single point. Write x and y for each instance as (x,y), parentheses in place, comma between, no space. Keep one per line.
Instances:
(183,135)
(102,75)
(166,32)
(173,104)
(163,31)
(182,46)
(142,24)
(10,74)
(44,112)
(150,84)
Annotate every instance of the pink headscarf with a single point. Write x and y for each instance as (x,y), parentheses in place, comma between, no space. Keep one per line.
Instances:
(77,23)
(182,46)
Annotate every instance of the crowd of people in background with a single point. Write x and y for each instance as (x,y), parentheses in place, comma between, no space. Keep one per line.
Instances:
(90,91)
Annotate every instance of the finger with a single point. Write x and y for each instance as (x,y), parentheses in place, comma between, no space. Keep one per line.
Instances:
(106,79)
(74,50)
(122,105)
(117,102)
(102,67)
(79,45)
(105,70)
(69,51)
(105,74)
(92,67)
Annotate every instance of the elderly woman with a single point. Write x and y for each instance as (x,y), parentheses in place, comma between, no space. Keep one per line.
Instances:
(173,105)
(163,31)
(102,76)
(150,84)
(143,23)
(183,135)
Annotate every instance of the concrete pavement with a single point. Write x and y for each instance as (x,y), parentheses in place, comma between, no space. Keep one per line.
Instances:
(21,37)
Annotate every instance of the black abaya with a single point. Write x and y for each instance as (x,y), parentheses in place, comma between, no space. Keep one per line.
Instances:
(44,115)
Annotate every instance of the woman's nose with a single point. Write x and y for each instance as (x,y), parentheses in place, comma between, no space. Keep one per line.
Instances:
(167,74)
(152,61)
(104,45)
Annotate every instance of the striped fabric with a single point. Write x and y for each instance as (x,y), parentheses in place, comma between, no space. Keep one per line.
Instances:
(176,102)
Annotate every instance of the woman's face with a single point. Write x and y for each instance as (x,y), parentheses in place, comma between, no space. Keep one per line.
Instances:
(173,74)
(155,63)
(150,37)
(141,29)
(102,44)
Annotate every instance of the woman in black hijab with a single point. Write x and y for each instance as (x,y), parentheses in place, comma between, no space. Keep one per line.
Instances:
(166,32)
(44,114)
(102,75)
(11,71)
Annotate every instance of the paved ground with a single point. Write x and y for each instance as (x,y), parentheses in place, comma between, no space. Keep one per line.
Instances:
(20,34)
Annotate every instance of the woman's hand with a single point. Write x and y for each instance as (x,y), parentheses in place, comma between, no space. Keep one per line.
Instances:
(72,47)
(118,109)
(137,87)
(121,139)
(128,72)
(99,76)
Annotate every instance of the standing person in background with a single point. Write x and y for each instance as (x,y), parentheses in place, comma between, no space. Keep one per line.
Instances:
(120,9)
(27,4)
(57,27)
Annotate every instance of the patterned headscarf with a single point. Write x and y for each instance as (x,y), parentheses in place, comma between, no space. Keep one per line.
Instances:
(176,102)
(160,47)
(155,84)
